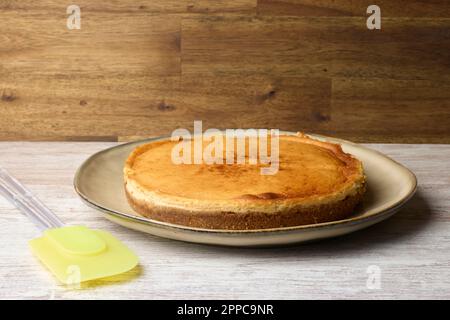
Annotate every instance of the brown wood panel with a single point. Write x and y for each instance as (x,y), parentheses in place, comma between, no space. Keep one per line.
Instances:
(251,45)
(290,103)
(108,45)
(79,85)
(405,48)
(125,6)
(317,47)
(149,106)
(405,110)
(389,8)
(81,107)
(146,67)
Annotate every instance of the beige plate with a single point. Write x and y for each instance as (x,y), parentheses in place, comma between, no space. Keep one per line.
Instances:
(99,182)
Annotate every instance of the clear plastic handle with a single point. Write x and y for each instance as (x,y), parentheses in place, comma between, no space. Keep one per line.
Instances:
(24,200)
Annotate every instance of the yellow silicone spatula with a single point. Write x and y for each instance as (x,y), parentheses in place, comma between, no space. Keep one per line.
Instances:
(71,253)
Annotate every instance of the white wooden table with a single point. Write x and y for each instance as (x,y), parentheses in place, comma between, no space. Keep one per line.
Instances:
(411,250)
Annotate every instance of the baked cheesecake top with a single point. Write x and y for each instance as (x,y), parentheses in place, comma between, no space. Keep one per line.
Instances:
(308,169)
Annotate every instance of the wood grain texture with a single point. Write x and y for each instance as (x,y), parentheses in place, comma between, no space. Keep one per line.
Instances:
(317,47)
(397,8)
(144,68)
(395,108)
(412,249)
(143,6)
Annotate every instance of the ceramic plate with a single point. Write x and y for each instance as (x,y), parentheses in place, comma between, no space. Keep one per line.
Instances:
(99,182)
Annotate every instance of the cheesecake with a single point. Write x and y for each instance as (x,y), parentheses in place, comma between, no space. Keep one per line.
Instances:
(316,182)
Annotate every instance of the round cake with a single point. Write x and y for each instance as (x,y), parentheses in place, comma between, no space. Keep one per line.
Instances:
(315,182)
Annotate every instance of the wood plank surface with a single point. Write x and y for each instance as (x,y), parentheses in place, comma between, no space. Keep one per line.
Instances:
(313,47)
(390,8)
(394,108)
(124,6)
(145,68)
(412,249)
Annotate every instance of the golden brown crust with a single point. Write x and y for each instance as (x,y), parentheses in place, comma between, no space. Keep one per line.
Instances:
(249,221)
(319,183)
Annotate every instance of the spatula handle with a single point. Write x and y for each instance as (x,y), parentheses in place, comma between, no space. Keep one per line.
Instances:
(24,200)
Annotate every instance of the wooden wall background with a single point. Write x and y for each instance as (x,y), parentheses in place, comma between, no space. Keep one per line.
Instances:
(145,67)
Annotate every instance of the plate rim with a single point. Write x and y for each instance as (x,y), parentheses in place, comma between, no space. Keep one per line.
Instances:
(324,225)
